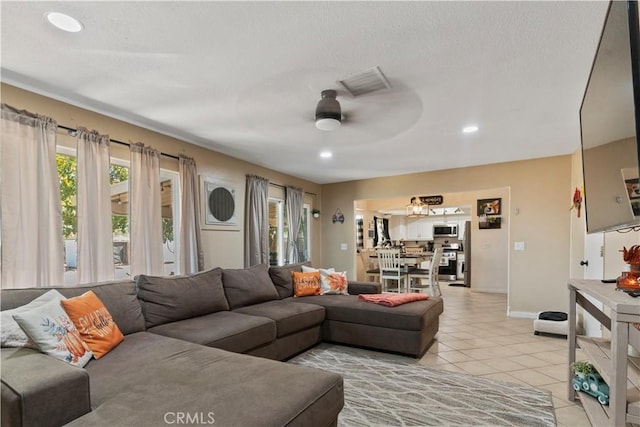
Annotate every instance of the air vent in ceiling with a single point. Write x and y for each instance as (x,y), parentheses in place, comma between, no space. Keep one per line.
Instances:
(365,82)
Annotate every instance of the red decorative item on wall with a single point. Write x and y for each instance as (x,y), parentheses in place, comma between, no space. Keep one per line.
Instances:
(577,201)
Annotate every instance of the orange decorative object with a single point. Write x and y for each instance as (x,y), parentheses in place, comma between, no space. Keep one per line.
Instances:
(630,280)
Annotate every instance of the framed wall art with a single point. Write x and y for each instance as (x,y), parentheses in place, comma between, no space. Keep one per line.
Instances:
(490,206)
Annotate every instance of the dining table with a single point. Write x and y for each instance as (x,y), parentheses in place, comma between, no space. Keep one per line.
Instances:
(411,259)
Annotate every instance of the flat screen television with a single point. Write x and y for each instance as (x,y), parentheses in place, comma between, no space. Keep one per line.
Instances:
(609,124)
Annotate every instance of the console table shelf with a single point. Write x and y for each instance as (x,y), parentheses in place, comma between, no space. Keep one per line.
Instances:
(609,356)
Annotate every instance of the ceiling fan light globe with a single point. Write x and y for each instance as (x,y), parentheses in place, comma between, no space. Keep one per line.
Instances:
(327,124)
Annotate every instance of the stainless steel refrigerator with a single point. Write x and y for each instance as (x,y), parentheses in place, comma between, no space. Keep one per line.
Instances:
(467,254)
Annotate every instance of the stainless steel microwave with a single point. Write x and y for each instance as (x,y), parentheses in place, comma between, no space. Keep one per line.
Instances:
(445,231)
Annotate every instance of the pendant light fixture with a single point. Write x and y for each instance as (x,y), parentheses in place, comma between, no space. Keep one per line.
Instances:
(416,208)
(328,112)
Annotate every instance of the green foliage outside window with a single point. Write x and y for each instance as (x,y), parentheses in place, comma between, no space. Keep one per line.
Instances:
(67,172)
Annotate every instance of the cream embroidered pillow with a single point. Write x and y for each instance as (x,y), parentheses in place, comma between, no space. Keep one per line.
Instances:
(53,332)
(11,333)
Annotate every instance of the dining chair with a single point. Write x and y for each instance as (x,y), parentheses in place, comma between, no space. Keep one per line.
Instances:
(391,269)
(371,271)
(429,274)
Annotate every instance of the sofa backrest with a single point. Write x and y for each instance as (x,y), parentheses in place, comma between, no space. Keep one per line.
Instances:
(282,279)
(172,298)
(248,286)
(119,297)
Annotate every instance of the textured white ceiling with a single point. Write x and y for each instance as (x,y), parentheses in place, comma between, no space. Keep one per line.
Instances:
(243,78)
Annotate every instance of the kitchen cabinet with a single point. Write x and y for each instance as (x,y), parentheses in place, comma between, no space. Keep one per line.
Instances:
(609,356)
(398,227)
(419,229)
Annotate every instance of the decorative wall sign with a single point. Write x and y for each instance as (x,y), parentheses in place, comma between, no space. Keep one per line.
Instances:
(486,222)
(490,206)
(432,200)
(338,217)
(219,202)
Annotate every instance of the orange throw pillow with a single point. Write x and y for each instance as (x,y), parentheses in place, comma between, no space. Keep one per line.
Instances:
(306,284)
(94,322)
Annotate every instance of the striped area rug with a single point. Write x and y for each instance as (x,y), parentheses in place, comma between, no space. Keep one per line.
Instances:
(389,390)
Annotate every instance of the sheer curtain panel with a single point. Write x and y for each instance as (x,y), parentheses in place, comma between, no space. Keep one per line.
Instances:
(190,255)
(32,245)
(256,229)
(95,230)
(295,199)
(145,219)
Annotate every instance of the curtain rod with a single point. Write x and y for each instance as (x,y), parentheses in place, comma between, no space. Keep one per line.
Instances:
(283,187)
(73,131)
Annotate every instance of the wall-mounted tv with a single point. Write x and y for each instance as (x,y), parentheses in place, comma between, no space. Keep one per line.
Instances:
(610,121)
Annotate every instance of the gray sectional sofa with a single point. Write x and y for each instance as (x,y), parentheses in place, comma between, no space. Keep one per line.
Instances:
(189,348)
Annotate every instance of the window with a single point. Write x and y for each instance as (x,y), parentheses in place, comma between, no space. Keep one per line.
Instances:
(276,232)
(170,219)
(279,234)
(304,246)
(119,179)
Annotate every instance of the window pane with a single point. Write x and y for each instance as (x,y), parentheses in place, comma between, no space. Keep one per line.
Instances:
(276,233)
(119,179)
(303,236)
(67,173)
(168,199)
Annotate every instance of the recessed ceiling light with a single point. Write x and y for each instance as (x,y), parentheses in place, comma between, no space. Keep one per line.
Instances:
(326,154)
(470,129)
(64,22)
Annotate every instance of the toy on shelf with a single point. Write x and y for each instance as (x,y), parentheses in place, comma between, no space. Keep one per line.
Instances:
(592,384)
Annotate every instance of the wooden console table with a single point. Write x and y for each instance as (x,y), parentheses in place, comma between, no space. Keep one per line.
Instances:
(609,356)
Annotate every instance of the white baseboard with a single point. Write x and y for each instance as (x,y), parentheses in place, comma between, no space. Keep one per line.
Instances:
(522,314)
(489,290)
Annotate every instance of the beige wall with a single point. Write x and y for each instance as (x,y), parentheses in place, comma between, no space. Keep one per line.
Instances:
(222,248)
(539,191)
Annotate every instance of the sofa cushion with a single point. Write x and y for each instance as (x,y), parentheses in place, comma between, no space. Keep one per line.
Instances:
(158,376)
(281,278)
(171,298)
(12,335)
(119,297)
(414,316)
(248,286)
(54,333)
(289,317)
(225,329)
(94,322)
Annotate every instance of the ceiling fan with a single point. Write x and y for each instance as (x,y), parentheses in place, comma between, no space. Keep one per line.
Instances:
(328,111)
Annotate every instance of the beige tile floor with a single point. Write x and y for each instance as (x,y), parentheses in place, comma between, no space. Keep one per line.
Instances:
(477,337)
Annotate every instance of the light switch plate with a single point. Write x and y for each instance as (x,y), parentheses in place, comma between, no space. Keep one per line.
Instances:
(343,246)
(518,246)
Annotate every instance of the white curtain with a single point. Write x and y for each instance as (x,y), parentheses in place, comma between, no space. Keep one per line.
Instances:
(256,214)
(295,201)
(32,245)
(145,217)
(95,230)
(190,254)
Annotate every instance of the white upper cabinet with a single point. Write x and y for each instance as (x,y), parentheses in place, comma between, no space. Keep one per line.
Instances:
(398,227)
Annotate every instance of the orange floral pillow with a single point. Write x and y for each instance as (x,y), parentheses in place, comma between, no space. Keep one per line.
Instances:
(94,322)
(306,284)
(335,284)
